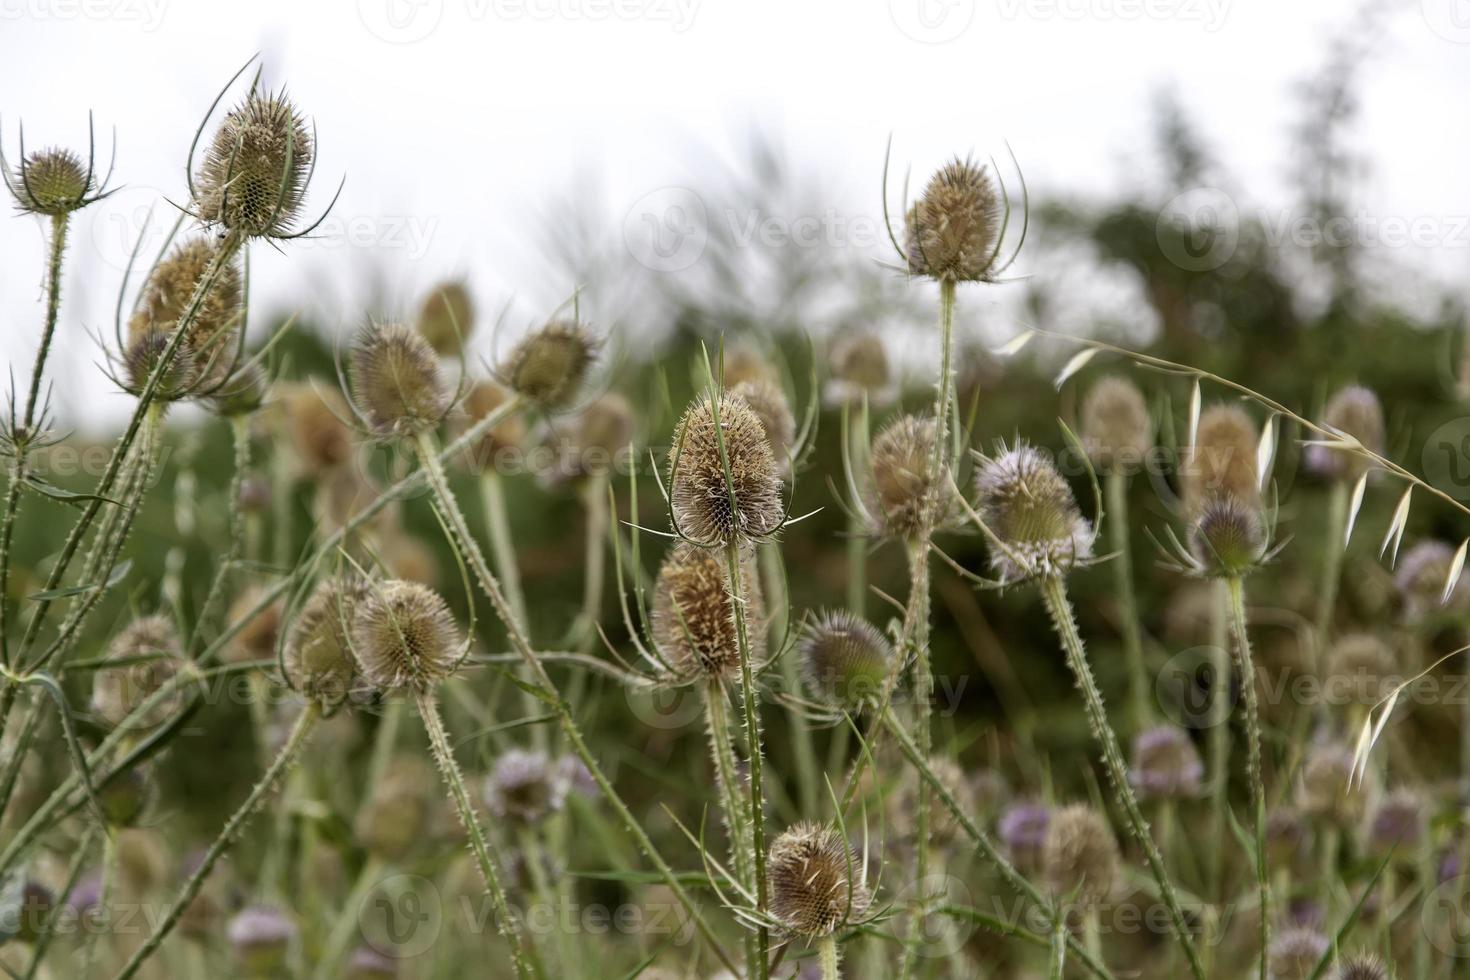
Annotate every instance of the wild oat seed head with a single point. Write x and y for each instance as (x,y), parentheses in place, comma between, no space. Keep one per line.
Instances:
(253,176)
(404,636)
(144,352)
(485,396)
(1363,966)
(117,692)
(698,493)
(447,318)
(524,786)
(1228,537)
(816,880)
(318,658)
(549,366)
(845,659)
(1356,411)
(768,401)
(1294,954)
(396,382)
(1116,429)
(213,332)
(315,419)
(953,230)
(1222,462)
(1165,764)
(51,182)
(693,619)
(1080,855)
(905,485)
(1422,575)
(1030,509)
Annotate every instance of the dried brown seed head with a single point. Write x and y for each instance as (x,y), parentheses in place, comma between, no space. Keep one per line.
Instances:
(396,382)
(253,177)
(180,375)
(1363,966)
(404,636)
(953,231)
(213,333)
(693,619)
(256,639)
(153,642)
(318,658)
(817,882)
(1030,509)
(845,659)
(1080,855)
(1324,791)
(315,417)
(393,818)
(1222,461)
(51,182)
(1165,764)
(1355,411)
(447,318)
(769,403)
(698,492)
(1228,537)
(549,366)
(1116,429)
(484,397)
(905,486)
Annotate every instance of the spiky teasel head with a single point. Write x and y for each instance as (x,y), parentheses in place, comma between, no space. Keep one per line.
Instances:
(52,182)
(817,882)
(1397,821)
(261,936)
(1227,538)
(1033,514)
(1353,411)
(216,324)
(1222,461)
(1423,573)
(396,383)
(1325,792)
(151,646)
(770,405)
(907,494)
(482,398)
(447,318)
(953,231)
(1080,855)
(549,366)
(742,362)
(1116,429)
(1361,966)
(698,493)
(693,619)
(591,445)
(1165,763)
(315,419)
(859,366)
(179,378)
(1294,954)
(845,659)
(525,787)
(253,177)
(1363,663)
(318,657)
(404,636)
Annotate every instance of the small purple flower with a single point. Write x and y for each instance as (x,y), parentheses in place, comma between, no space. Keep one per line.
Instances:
(1023,829)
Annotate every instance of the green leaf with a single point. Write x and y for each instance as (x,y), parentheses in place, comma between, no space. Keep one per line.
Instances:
(49,684)
(119,572)
(61,494)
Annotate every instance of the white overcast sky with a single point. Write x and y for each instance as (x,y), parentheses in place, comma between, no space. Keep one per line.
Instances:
(461,123)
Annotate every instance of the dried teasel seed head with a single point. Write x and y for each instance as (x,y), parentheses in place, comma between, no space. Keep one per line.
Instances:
(1397,821)
(1355,411)
(768,401)
(261,937)
(396,383)
(1080,855)
(549,366)
(1423,572)
(953,230)
(214,331)
(592,444)
(1165,764)
(144,353)
(693,619)
(153,642)
(1116,429)
(1222,461)
(1294,954)
(404,636)
(1362,966)
(742,362)
(393,818)
(1030,509)
(845,659)
(318,658)
(1364,664)
(314,418)
(447,318)
(482,398)
(816,880)
(905,485)
(698,492)
(52,182)
(1228,537)
(860,361)
(525,787)
(1324,791)
(253,176)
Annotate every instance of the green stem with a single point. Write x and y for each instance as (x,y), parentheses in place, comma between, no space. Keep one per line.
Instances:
(503,553)
(917,629)
(594,561)
(214,598)
(469,548)
(727,780)
(53,307)
(1246,664)
(510,926)
(1054,592)
(827,953)
(1116,488)
(1219,746)
(227,837)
